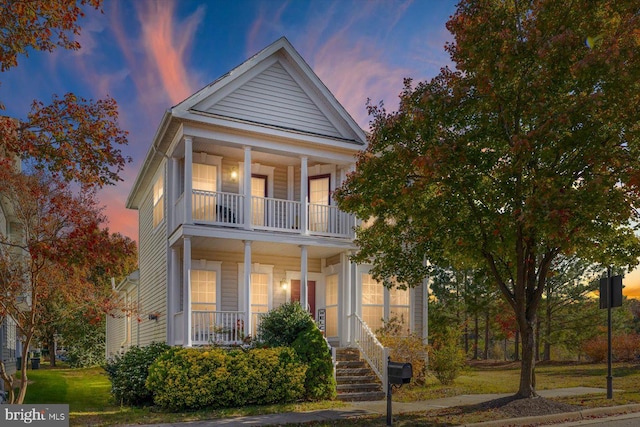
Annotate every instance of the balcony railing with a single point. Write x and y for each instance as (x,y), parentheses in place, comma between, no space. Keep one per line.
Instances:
(217,327)
(227,209)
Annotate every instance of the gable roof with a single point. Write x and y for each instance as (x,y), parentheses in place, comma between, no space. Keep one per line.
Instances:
(273,92)
(276,88)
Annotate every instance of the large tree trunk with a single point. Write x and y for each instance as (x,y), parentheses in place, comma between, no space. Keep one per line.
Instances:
(516,350)
(527,370)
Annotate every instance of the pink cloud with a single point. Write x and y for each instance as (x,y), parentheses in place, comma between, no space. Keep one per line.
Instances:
(166,43)
(354,73)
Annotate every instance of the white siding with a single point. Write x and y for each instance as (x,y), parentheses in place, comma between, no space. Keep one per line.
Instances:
(115,333)
(153,276)
(273,97)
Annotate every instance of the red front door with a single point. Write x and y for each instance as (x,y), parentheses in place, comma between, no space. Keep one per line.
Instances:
(311,295)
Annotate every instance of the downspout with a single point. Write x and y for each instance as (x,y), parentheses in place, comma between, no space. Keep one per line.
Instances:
(138,310)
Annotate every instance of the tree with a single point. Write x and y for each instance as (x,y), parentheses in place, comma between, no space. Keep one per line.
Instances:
(73,137)
(80,321)
(70,144)
(58,237)
(527,150)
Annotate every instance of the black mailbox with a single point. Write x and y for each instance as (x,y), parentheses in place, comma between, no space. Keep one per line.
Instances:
(399,373)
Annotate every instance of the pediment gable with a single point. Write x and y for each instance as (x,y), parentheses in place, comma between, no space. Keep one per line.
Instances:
(276,88)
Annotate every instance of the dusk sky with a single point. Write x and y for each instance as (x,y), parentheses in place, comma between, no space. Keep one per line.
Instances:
(150,55)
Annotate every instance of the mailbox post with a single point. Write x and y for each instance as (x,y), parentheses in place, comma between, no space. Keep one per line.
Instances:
(398,373)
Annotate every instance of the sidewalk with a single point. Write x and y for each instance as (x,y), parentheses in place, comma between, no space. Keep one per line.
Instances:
(380,408)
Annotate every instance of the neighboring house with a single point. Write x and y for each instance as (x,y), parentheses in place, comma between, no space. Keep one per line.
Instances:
(236,214)
(123,323)
(9,343)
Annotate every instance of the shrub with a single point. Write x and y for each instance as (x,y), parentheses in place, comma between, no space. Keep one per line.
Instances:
(282,325)
(405,347)
(312,349)
(446,357)
(265,376)
(596,349)
(128,373)
(624,348)
(192,378)
(291,325)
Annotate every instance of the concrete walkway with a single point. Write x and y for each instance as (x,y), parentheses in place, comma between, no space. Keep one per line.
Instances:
(380,408)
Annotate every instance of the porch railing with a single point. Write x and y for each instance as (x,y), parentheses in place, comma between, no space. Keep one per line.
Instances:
(227,209)
(329,220)
(276,214)
(217,327)
(217,207)
(372,350)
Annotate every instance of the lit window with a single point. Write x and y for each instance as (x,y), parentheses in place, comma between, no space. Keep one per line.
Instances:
(158,201)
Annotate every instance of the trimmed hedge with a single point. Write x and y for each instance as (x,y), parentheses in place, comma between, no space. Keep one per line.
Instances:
(191,378)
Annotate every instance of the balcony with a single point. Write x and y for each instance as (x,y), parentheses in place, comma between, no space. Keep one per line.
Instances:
(270,214)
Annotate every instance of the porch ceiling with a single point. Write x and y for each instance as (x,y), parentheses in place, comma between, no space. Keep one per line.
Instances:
(264,247)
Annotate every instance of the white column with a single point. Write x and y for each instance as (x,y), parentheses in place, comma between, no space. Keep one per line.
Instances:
(247,288)
(304,196)
(247,188)
(304,278)
(188,178)
(173,278)
(353,274)
(174,190)
(186,308)
(346,318)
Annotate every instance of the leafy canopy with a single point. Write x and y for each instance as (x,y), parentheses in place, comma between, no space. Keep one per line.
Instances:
(528,149)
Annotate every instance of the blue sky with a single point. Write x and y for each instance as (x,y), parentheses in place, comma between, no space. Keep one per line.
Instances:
(151,54)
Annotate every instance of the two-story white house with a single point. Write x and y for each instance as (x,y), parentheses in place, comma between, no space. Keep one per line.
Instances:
(236,214)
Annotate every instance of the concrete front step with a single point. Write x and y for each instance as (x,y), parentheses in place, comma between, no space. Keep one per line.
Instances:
(344,379)
(355,379)
(361,397)
(358,387)
(350,372)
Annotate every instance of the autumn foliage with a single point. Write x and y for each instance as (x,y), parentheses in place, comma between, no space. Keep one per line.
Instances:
(57,254)
(527,150)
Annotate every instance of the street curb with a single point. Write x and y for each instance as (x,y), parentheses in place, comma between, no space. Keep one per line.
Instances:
(584,414)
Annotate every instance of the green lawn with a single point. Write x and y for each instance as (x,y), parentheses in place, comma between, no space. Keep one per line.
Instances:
(87,393)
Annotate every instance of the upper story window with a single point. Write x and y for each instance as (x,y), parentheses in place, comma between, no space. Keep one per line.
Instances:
(158,200)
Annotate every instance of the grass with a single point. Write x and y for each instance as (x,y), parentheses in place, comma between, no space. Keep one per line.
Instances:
(90,403)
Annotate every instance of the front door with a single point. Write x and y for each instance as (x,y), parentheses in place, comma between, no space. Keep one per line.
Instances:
(311,295)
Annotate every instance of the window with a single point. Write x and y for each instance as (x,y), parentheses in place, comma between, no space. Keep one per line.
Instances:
(399,306)
(259,296)
(258,194)
(331,301)
(204,185)
(158,201)
(203,290)
(372,302)
(318,202)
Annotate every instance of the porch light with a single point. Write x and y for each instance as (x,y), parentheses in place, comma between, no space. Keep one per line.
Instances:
(283,284)
(234,174)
